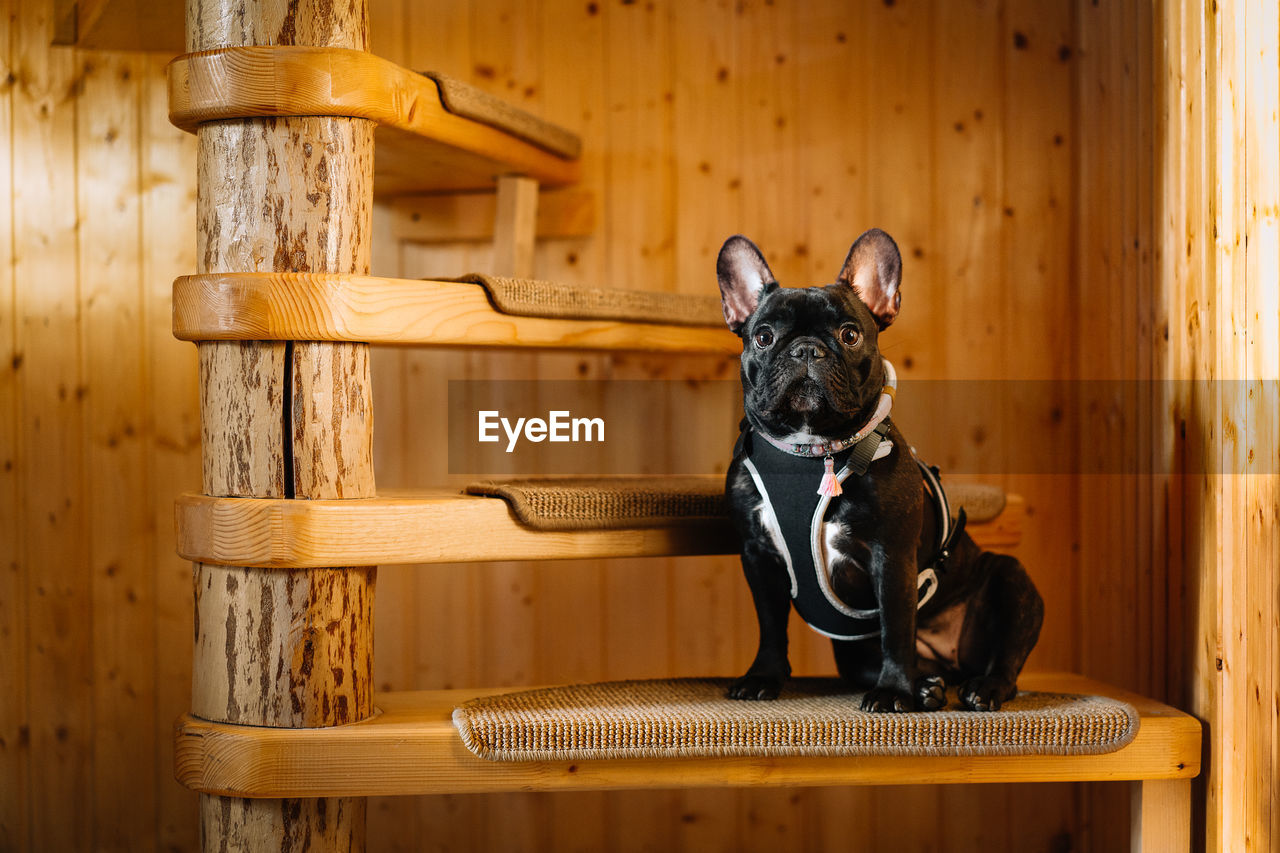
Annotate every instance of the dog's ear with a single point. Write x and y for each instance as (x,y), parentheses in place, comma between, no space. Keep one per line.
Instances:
(744,278)
(874,271)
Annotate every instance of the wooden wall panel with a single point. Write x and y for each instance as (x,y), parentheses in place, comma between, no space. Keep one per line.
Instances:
(52,397)
(966,248)
(1001,141)
(98,408)
(168,204)
(14,723)
(115,375)
(1115,365)
(1217,203)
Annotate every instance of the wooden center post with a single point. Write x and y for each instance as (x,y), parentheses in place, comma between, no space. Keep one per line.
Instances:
(287,648)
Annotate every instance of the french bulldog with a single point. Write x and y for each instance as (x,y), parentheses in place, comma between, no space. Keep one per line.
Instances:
(835,513)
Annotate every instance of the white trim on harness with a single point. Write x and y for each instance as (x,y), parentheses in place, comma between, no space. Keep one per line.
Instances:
(928,576)
(820,553)
(768,504)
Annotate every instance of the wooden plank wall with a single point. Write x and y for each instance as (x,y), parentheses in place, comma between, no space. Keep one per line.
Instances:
(1217,200)
(98,429)
(1121,505)
(1005,143)
(799,126)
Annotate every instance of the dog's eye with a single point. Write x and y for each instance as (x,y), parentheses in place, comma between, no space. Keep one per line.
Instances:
(764,338)
(849,336)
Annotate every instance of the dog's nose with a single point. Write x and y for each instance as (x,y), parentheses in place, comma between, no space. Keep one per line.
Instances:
(809,349)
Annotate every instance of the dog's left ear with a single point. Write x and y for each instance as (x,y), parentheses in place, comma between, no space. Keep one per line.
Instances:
(874,270)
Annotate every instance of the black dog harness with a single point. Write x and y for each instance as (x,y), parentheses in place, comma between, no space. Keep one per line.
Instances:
(786,483)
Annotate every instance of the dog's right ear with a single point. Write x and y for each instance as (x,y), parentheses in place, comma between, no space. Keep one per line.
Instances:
(744,278)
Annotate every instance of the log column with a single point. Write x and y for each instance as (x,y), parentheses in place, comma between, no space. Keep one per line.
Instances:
(286,648)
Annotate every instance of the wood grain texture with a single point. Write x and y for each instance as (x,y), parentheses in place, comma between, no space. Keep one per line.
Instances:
(168,221)
(422,145)
(412,747)
(294,625)
(1217,207)
(686,184)
(15,814)
(967,238)
(282,306)
(707,125)
(1161,816)
(1037,240)
(115,452)
(515,226)
(1114,254)
(441,527)
(127,25)
(464,217)
(56,730)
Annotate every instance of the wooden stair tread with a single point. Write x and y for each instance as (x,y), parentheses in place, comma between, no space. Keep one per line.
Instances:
(421,146)
(433,526)
(411,747)
(307,306)
(442,526)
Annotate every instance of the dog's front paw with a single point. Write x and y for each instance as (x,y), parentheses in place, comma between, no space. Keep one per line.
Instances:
(756,687)
(986,694)
(887,699)
(931,693)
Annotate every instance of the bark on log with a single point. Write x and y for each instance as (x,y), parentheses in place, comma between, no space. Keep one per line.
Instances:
(286,648)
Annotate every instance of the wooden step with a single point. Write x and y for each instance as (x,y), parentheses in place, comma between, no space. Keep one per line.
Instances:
(411,747)
(442,527)
(421,146)
(305,306)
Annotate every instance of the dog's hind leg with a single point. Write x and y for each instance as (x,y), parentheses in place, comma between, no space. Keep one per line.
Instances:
(1001,628)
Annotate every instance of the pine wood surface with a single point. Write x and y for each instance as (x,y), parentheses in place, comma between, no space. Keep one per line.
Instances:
(50,456)
(412,747)
(463,217)
(1217,202)
(658,94)
(121,25)
(1160,809)
(14,809)
(422,146)
(444,527)
(515,226)
(302,306)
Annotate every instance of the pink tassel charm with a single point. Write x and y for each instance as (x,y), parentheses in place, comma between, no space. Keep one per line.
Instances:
(830,486)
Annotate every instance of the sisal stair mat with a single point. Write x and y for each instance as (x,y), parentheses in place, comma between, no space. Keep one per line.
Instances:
(603,503)
(690,718)
(467,101)
(528,297)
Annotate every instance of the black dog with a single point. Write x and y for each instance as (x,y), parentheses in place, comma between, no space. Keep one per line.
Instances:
(835,513)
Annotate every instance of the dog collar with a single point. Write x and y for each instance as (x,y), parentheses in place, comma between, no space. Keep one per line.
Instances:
(816,449)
